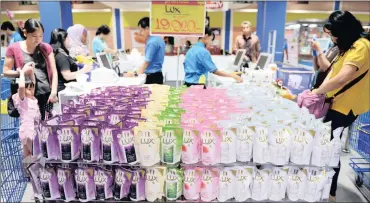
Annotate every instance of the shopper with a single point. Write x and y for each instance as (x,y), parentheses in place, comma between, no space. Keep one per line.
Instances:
(26,104)
(99,42)
(198,62)
(322,62)
(77,35)
(67,67)
(154,55)
(353,61)
(10,31)
(32,49)
(249,42)
(169,41)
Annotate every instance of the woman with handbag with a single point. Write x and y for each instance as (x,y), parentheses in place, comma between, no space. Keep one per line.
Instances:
(348,82)
(32,49)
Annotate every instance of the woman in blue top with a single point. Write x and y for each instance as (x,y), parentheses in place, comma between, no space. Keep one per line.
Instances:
(198,62)
(9,29)
(98,43)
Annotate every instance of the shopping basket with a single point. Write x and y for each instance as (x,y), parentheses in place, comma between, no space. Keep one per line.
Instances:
(362,120)
(12,175)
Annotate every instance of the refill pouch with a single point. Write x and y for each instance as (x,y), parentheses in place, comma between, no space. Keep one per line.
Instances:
(279,144)
(260,145)
(125,145)
(36,145)
(69,142)
(34,170)
(261,185)
(171,143)
(122,183)
(278,183)
(66,183)
(148,139)
(244,144)
(85,184)
(103,178)
(154,183)
(211,145)
(327,184)
(315,184)
(297,179)
(336,146)
(209,188)
(228,143)
(109,150)
(174,180)
(49,183)
(301,145)
(321,151)
(244,178)
(227,184)
(192,182)
(191,147)
(137,187)
(91,143)
(49,142)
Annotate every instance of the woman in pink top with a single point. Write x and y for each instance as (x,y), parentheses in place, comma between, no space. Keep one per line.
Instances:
(26,104)
(32,49)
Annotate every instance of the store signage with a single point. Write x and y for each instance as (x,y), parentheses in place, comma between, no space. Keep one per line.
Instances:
(178,18)
(214,4)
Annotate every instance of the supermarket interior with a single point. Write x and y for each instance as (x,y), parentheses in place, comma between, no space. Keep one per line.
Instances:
(185,100)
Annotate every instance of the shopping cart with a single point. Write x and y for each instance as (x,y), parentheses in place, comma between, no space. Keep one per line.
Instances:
(12,175)
(360,142)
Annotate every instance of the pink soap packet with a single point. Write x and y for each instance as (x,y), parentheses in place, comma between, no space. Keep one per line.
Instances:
(209,188)
(211,144)
(192,182)
(191,147)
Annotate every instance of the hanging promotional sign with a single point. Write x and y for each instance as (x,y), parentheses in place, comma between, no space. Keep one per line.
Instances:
(214,4)
(178,18)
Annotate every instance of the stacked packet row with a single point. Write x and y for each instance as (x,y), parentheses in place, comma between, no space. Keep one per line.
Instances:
(70,182)
(235,124)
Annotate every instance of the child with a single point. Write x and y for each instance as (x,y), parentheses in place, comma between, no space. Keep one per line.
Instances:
(27,106)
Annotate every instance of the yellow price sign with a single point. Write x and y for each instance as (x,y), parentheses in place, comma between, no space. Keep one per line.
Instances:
(178,18)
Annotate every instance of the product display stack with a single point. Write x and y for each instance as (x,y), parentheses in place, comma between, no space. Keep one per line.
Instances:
(156,143)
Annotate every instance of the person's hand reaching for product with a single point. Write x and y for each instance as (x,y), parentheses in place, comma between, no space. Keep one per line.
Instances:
(129,74)
(238,79)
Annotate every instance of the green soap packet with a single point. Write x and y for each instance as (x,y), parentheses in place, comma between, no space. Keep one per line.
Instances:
(171,141)
(170,118)
(174,186)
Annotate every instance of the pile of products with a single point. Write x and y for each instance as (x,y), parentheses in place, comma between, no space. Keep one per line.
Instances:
(149,142)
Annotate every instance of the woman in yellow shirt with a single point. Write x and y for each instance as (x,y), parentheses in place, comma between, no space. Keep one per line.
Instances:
(353,62)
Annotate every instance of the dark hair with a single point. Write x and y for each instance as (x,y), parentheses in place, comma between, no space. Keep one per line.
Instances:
(7,25)
(30,26)
(104,29)
(58,36)
(346,28)
(188,43)
(208,32)
(144,22)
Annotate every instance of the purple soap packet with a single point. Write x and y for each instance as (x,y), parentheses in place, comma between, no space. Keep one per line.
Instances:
(103,178)
(69,141)
(85,183)
(49,183)
(122,183)
(35,170)
(66,182)
(36,145)
(90,137)
(101,118)
(49,142)
(137,187)
(115,117)
(70,116)
(125,145)
(109,151)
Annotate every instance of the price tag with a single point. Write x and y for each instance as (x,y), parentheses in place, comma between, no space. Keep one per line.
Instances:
(178,18)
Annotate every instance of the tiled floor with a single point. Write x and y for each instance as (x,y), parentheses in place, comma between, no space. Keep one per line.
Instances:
(347,191)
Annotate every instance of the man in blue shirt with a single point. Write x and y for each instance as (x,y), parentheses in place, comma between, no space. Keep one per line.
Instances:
(198,62)
(155,49)
(9,29)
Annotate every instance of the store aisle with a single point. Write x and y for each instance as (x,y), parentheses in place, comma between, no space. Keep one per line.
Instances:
(347,191)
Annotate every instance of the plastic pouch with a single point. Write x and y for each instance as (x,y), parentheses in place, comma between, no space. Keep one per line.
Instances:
(192,182)
(122,182)
(91,143)
(49,183)
(126,146)
(260,186)
(85,184)
(35,170)
(211,145)
(227,184)
(148,140)
(137,188)
(49,142)
(66,183)
(174,179)
(244,144)
(209,189)
(244,178)
(191,145)
(103,179)
(154,183)
(109,151)
(171,143)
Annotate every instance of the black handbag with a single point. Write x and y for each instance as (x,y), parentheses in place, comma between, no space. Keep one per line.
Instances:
(12,111)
